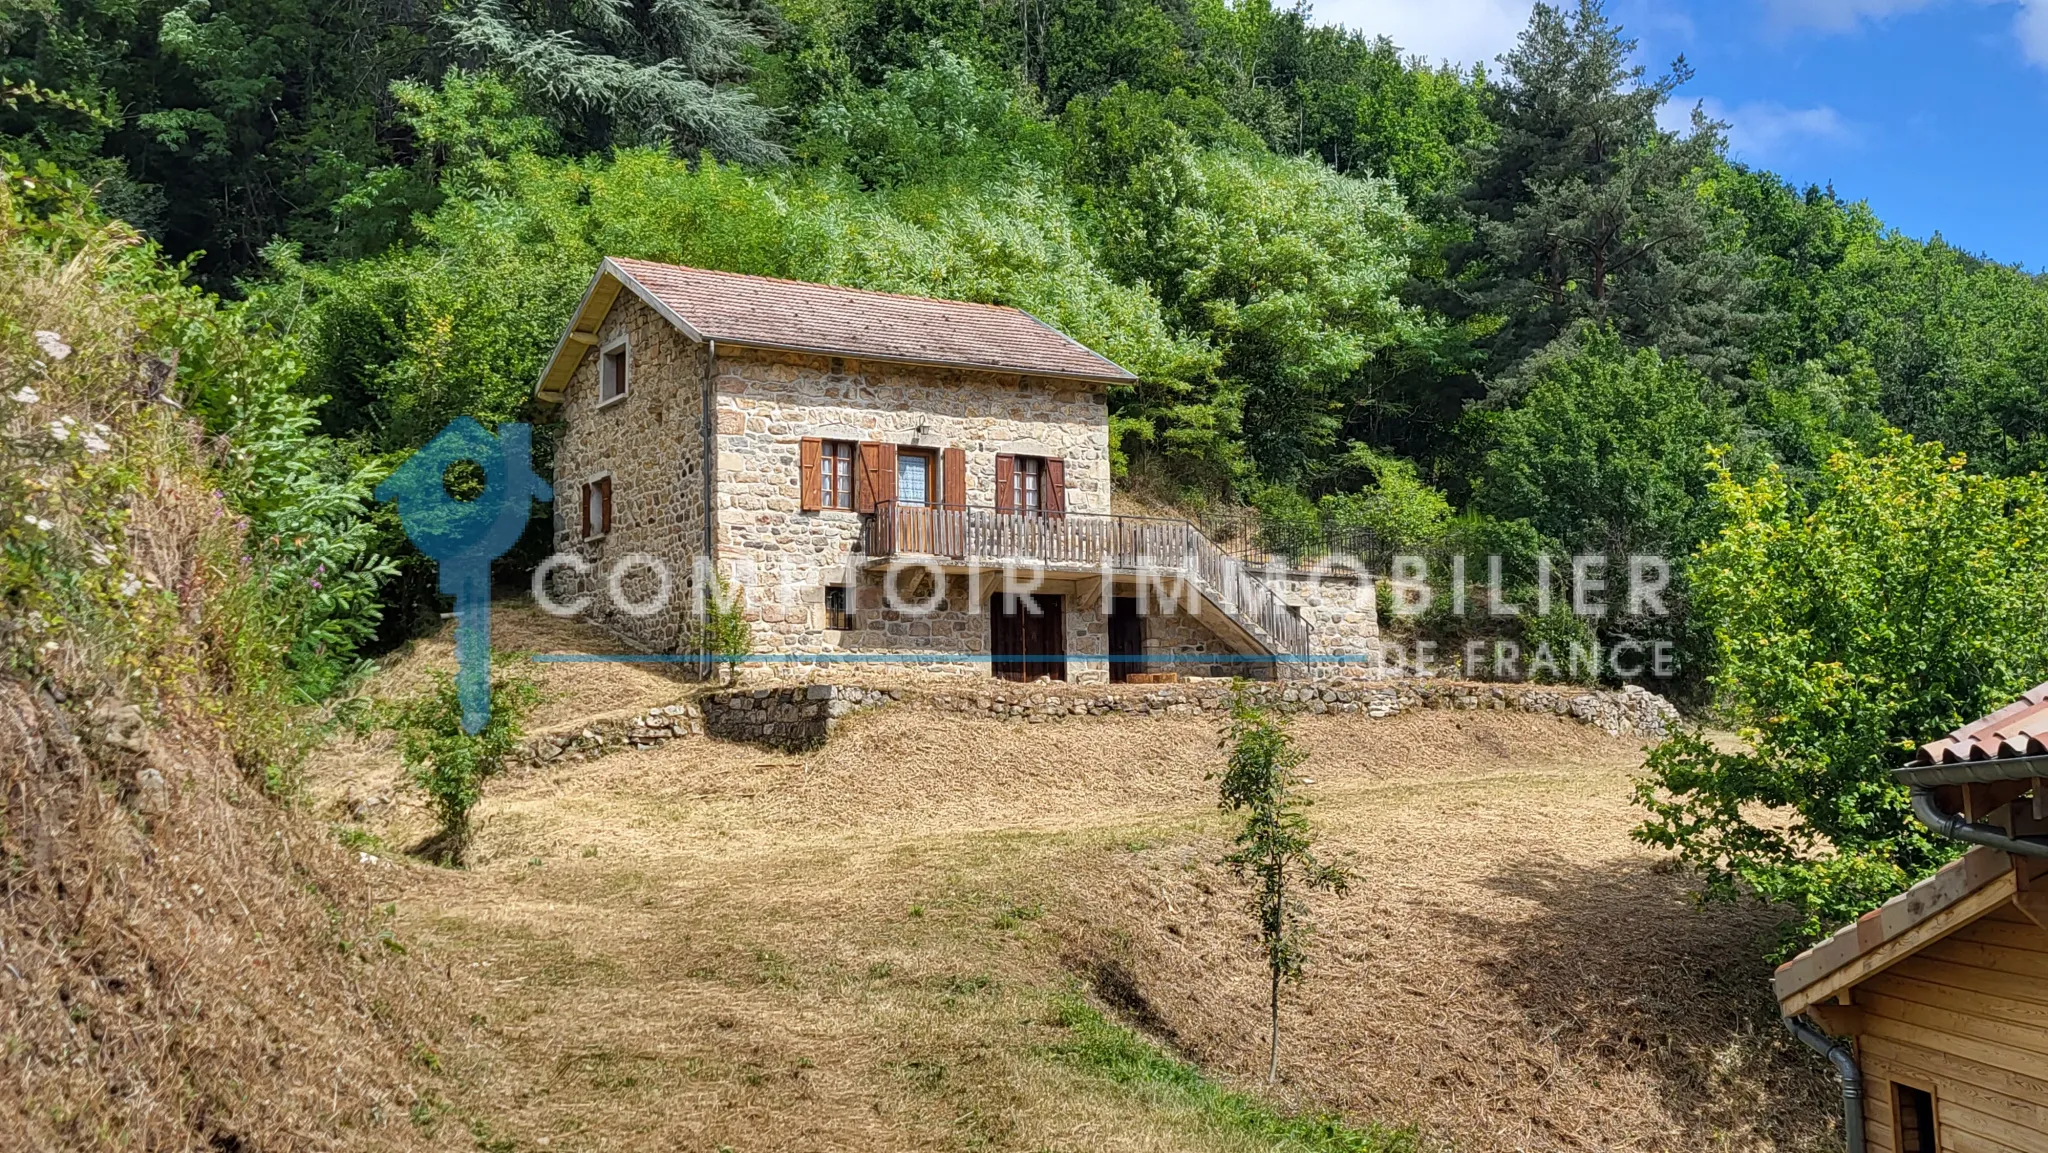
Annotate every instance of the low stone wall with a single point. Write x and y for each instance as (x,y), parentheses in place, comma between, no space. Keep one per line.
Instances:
(797,718)
(1628,711)
(792,719)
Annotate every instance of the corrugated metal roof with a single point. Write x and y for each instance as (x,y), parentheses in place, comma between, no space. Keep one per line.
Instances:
(797,316)
(2020,729)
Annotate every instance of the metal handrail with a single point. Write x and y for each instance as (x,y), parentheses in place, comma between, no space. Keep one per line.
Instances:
(1162,544)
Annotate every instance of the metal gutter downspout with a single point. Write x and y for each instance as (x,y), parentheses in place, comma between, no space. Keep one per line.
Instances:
(1956,826)
(709,568)
(1844,1061)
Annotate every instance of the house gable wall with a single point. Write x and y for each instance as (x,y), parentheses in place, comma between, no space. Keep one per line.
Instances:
(651,443)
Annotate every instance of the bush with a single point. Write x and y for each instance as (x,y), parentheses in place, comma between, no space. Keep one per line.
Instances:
(449,766)
(1896,599)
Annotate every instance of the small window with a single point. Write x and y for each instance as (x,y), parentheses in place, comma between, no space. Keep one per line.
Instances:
(597,507)
(838,607)
(1915,1112)
(1027,484)
(611,382)
(835,474)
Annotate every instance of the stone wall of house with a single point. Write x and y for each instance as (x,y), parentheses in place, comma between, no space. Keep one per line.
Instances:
(1342,614)
(784,557)
(651,443)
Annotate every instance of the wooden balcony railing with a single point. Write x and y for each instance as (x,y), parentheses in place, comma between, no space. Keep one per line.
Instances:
(1128,544)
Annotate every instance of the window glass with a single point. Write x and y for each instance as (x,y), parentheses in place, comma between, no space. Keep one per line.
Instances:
(835,474)
(612,382)
(913,478)
(1030,484)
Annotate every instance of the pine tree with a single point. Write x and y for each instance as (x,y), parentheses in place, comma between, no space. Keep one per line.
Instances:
(1581,207)
(630,71)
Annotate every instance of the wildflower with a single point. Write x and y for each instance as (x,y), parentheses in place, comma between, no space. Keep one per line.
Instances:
(39,522)
(26,395)
(129,585)
(314,583)
(53,345)
(60,431)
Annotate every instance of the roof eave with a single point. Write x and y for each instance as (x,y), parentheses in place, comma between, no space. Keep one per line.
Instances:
(1119,377)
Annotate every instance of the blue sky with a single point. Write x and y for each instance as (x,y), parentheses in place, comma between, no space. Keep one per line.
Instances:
(1935,111)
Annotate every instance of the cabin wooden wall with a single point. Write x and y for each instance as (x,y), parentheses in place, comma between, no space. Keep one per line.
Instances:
(1966,1018)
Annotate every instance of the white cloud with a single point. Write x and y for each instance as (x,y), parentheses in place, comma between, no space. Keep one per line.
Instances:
(2029,22)
(1761,131)
(1464,31)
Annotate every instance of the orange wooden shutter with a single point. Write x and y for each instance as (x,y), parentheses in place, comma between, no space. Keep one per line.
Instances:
(1006,472)
(604,488)
(1055,496)
(885,472)
(867,476)
(810,451)
(953,478)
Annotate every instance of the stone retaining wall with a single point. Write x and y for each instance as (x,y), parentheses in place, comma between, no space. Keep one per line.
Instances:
(797,718)
(1629,711)
(792,719)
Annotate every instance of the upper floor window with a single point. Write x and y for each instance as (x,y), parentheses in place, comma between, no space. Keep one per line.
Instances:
(611,372)
(835,474)
(917,477)
(1027,486)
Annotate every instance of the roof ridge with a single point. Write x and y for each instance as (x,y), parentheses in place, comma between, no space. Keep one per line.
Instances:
(840,287)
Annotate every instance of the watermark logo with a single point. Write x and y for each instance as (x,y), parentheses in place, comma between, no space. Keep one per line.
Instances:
(464,536)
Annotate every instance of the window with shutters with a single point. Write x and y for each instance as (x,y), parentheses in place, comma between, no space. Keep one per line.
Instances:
(597,507)
(611,372)
(838,607)
(835,474)
(1027,484)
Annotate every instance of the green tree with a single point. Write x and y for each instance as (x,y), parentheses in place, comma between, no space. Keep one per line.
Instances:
(1607,450)
(1581,208)
(629,72)
(723,635)
(1895,600)
(1272,849)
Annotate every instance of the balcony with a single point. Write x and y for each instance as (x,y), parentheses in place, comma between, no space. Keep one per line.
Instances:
(1092,543)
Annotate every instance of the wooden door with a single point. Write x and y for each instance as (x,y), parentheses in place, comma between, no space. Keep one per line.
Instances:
(1126,638)
(1025,645)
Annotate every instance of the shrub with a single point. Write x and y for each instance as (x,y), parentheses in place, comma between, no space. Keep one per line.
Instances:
(449,766)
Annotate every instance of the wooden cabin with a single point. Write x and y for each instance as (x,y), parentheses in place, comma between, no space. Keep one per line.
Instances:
(1935,1006)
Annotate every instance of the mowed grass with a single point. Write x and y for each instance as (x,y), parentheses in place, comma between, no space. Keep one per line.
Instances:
(947,934)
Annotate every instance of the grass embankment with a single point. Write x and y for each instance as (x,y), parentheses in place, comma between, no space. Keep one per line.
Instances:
(948,933)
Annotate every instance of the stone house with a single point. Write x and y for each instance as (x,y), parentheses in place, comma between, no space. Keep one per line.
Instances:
(883,478)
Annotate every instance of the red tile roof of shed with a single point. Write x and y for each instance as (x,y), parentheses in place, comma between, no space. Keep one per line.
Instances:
(2020,729)
(794,315)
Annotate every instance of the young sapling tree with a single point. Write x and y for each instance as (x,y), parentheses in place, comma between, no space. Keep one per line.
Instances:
(1272,849)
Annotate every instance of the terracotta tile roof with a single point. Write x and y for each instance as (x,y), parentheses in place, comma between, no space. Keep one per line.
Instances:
(763,312)
(1889,922)
(2020,729)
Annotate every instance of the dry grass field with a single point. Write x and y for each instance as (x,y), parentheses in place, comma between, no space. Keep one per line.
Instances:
(904,940)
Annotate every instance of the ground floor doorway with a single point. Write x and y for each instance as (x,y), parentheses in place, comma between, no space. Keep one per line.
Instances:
(1027,637)
(1126,638)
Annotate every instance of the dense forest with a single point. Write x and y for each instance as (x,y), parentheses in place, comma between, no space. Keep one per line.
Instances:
(1496,311)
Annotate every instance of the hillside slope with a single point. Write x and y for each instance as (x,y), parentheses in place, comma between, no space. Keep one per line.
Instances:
(874,946)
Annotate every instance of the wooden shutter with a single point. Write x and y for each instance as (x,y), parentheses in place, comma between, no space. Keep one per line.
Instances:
(953,478)
(588,527)
(1054,483)
(604,491)
(875,478)
(867,481)
(1006,475)
(809,453)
